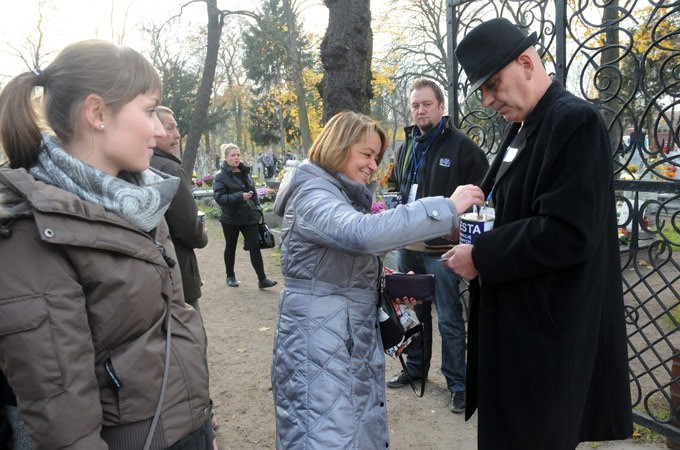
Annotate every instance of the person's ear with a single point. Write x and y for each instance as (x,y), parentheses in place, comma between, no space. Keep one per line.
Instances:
(527,64)
(95,112)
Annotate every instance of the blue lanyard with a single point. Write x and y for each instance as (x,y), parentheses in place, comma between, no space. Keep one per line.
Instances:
(416,164)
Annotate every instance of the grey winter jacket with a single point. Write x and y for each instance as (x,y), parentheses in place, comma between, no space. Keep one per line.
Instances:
(328,373)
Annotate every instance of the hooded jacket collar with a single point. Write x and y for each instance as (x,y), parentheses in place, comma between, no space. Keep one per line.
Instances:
(227,169)
(298,173)
(64,218)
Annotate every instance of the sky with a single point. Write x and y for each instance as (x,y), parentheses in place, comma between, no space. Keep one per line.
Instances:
(66,21)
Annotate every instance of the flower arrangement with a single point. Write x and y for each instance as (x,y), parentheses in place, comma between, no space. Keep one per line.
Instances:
(670,171)
(205,181)
(377,207)
(381,175)
(624,236)
(266,194)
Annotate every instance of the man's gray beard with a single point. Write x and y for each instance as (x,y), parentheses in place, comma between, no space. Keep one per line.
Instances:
(427,128)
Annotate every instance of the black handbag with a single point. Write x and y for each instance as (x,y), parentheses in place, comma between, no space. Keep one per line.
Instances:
(392,331)
(266,237)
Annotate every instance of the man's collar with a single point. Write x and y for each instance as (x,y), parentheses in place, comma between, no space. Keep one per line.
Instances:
(163,154)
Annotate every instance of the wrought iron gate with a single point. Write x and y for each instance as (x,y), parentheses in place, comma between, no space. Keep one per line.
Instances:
(624,57)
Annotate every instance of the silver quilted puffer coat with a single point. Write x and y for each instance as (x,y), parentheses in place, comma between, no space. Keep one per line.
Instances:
(328,372)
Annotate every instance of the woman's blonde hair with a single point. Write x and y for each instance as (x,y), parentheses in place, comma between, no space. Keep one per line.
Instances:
(224,149)
(331,147)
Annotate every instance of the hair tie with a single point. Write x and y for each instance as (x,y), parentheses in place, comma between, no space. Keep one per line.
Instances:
(41,77)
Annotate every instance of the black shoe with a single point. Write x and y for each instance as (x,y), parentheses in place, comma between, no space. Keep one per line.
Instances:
(457,402)
(400,380)
(231,281)
(266,283)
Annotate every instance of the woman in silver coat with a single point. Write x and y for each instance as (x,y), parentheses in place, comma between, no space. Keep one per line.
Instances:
(328,368)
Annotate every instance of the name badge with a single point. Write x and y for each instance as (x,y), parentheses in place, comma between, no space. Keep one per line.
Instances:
(510,154)
(488,210)
(412,193)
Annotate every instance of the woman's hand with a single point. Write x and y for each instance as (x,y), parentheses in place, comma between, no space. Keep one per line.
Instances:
(465,196)
(247,196)
(408,301)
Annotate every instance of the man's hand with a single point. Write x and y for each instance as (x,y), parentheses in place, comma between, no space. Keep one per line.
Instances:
(460,261)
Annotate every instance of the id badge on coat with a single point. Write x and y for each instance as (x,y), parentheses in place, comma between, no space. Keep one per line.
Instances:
(412,193)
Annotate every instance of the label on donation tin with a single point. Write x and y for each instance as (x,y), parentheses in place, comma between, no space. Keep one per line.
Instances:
(472,225)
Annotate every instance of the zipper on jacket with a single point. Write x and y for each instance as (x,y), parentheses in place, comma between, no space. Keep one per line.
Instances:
(168,260)
(117,384)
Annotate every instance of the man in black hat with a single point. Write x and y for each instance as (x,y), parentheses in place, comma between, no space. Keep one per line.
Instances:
(434,159)
(547,338)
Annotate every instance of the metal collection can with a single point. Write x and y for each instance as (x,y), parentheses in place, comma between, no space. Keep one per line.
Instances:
(392,200)
(473,224)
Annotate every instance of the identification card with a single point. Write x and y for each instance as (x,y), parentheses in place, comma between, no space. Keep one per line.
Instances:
(489,211)
(510,154)
(412,193)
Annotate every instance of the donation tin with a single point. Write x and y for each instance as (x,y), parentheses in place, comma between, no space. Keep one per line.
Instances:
(392,200)
(473,224)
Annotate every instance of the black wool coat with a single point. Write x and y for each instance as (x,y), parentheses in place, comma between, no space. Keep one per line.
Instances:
(547,351)
(228,192)
(186,232)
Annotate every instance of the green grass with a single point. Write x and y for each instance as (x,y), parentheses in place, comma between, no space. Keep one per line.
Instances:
(644,435)
(211,212)
(672,236)
(659,409)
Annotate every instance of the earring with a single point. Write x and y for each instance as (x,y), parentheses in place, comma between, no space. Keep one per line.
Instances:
(101,126)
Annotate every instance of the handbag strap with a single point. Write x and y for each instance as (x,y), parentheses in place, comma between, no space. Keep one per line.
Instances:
(418,328)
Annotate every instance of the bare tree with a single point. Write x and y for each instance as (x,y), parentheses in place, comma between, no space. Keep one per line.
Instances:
(30,51)
(346,53)
(198,120)
(419,40)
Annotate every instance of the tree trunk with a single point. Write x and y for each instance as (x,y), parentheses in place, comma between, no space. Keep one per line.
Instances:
(346,53)
(297,76)
(205,89)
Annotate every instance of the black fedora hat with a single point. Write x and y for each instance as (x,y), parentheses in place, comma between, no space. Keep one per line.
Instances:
(489,47)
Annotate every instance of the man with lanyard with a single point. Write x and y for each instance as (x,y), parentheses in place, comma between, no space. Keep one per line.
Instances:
(434,159)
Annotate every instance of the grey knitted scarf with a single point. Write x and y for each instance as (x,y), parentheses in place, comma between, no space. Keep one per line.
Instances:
(140,198)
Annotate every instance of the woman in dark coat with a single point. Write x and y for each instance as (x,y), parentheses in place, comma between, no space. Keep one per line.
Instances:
(234,191)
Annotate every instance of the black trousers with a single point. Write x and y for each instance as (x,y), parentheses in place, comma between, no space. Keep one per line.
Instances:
(252,238)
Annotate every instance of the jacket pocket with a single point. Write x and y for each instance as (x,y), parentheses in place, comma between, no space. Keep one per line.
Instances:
(27,345)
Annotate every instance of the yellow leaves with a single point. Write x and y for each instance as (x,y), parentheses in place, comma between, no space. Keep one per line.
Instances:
(382,84)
